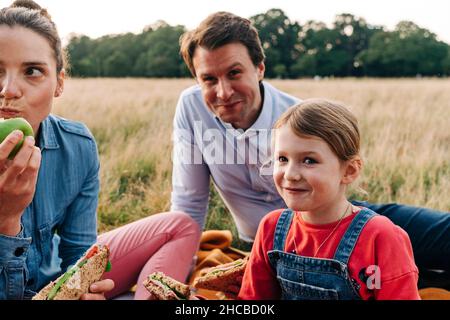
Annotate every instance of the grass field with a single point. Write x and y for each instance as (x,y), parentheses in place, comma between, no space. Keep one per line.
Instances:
(405,127)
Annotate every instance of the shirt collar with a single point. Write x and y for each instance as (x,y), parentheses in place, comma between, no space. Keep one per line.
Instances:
(47,137)
(264,121)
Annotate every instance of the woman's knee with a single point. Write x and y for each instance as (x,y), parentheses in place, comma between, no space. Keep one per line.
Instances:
(183,219)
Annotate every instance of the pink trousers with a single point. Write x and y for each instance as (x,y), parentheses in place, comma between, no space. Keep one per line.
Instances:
(164,242)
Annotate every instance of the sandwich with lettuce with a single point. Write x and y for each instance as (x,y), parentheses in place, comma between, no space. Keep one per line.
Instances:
(221,277)
(77,280)
(165,288)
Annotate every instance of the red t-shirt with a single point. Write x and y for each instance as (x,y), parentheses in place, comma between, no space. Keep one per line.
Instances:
(381,243)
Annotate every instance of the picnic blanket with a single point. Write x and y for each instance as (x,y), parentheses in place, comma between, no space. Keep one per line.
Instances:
(215,248)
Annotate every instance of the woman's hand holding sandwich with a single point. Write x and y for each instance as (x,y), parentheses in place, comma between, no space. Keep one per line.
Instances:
(98,289)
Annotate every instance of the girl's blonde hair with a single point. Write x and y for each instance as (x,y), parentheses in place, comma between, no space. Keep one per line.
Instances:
(325,119)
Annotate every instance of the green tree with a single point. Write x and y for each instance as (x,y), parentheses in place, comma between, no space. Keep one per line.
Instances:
(160,57)
(407,51)
(320,49)
(446,63)
(353,36)
(279,38)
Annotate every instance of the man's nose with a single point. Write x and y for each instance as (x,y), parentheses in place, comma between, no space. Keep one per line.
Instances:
(224,90)
(9,88)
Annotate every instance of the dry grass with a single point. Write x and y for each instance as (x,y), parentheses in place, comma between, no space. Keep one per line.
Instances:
(405,127)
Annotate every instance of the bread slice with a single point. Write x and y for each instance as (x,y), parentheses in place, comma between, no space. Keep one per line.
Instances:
(221,277)
(166,288)
(80,280)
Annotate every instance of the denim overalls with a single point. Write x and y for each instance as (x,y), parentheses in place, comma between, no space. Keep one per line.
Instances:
(307,278)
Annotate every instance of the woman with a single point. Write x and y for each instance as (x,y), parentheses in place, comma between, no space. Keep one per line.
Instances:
(51,186)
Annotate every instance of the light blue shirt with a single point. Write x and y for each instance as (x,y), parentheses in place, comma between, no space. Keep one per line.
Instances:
(239,162)
(65,202)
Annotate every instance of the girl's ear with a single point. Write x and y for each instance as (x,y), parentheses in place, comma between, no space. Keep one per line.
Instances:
(352,170)
(60,83)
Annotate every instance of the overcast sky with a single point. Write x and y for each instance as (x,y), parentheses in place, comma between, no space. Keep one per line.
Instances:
(99,17)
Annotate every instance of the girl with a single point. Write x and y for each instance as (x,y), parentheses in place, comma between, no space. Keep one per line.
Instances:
(323,247)
(49,192)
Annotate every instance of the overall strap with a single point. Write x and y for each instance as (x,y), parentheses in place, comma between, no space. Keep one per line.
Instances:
(348,241)
(282,229)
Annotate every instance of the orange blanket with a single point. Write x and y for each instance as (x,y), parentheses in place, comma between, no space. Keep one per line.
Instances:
(215,248)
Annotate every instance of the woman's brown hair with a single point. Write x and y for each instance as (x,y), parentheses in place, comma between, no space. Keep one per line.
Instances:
(28,14)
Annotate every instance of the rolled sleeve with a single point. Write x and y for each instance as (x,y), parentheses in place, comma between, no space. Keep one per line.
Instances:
(13,249)
(13,255)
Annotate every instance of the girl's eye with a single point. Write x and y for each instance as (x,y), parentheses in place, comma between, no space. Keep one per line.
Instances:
(33,72)
(309,161)
(282,159)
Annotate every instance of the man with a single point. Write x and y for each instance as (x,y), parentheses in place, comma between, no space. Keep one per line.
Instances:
(222,131)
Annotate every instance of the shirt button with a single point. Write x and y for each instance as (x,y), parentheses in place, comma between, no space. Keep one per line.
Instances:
(19,252)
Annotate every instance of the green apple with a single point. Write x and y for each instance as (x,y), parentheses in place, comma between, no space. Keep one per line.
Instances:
(9,125)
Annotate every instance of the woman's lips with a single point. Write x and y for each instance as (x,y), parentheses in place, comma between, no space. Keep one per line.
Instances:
(8,113)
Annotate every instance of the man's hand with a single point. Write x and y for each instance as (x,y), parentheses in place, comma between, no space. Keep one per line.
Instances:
(98,289)
(18,179)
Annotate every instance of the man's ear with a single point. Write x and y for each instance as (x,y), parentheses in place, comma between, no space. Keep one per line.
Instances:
(352,169)
(60,83)
(261,68)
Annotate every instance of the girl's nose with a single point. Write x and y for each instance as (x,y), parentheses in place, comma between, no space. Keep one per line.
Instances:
(292,173)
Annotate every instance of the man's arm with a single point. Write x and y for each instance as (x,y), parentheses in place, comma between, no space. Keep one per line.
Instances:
(190,175)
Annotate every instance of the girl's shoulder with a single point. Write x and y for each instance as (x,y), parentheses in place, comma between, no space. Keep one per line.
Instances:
(382,228)
(272,217)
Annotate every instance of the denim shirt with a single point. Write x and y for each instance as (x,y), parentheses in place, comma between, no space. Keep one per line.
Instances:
(63,209)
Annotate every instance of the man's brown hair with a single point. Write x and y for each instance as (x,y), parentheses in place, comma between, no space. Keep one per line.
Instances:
(217,30)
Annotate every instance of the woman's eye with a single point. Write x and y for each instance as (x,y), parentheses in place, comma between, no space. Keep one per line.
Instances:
(33,72)
(309,161)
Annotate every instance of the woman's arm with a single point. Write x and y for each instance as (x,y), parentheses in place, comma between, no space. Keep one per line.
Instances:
(78,230)
(17,181)
(17,186)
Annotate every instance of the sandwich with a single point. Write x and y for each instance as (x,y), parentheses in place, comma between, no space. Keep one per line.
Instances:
(221,277)
(165,288)
(77,280)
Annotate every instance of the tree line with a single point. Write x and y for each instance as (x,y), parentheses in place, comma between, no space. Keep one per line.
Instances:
(350,47)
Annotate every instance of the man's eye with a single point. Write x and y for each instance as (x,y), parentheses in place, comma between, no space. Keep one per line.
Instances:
(309,161)
(208,79)
(33,72)
(234,73)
